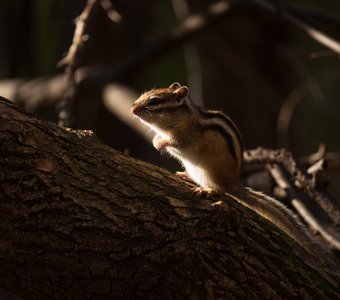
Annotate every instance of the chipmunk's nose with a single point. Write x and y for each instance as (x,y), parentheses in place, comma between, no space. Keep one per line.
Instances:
(134,110)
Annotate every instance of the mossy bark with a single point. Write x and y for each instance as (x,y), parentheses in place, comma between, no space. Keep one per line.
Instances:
(79,220)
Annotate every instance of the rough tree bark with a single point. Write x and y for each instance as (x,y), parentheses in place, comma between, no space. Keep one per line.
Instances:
(80,220)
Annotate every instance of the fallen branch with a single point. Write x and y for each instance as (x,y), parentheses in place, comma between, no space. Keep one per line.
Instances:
(316,221)
(299,178)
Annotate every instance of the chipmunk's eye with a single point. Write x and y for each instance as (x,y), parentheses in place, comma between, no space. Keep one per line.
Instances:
(154,102)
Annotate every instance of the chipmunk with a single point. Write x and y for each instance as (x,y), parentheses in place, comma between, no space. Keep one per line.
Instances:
(209,146)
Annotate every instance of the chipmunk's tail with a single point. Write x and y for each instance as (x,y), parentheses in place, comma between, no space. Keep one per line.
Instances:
(284,219)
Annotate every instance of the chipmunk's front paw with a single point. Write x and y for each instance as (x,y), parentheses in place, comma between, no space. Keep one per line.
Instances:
(204,192)
(160,144)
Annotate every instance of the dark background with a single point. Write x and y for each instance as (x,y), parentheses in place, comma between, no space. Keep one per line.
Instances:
(248,64)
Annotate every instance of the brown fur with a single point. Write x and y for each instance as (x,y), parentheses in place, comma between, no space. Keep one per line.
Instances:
(222,169)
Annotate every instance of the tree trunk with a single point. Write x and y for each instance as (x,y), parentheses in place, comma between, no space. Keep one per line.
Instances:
(80,220)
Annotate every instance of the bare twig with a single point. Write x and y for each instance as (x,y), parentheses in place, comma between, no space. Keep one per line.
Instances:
(320,54)
(310,86)
(70,61)
(300,179)
(190,27)
(317,167)
(286,113)
(318,224)
(319,154)
(314,33)
(332,159)
(111,12)
(316,13)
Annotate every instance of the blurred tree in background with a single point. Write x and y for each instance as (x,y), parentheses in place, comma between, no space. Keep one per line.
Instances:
(248,64)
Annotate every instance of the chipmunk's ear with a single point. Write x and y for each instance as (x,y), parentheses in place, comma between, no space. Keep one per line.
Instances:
(182,92)
(174,86)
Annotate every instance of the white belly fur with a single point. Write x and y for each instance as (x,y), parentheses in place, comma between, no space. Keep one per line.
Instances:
(193,166)
(195,171)
(197,174)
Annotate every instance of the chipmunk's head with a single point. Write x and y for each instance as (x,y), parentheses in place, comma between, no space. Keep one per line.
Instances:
(163,108)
